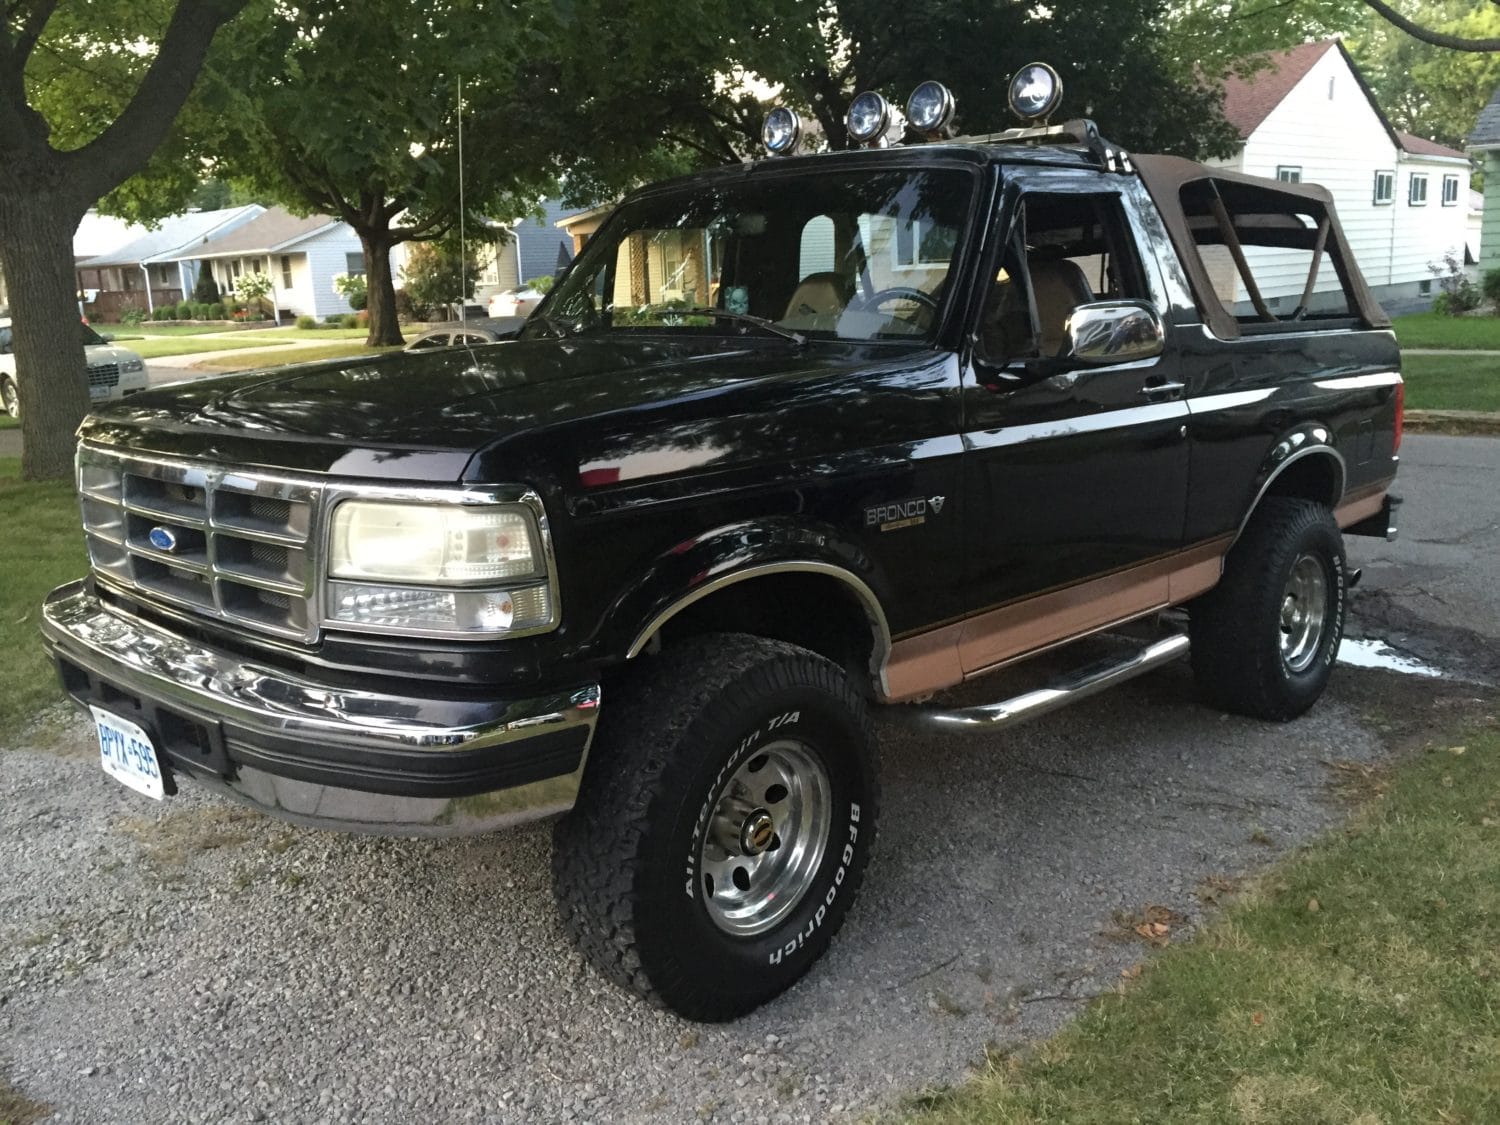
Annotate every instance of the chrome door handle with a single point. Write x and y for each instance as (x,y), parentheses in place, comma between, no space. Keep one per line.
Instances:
(1163,390)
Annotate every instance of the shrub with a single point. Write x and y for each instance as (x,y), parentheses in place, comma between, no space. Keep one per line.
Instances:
(359,301)
(1458,294)
(333,320)
(306,322)
(183,311)
(353,288)
(216,311)
(542,284)
(363,316)
(1492,288)
(200,310)
(166,312)
(206,291)
(349,320)
(132,315)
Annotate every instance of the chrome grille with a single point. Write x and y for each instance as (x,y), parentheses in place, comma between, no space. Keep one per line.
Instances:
(233,544)
(104,374)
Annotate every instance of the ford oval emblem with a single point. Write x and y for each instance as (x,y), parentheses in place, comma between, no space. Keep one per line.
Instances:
(163,538)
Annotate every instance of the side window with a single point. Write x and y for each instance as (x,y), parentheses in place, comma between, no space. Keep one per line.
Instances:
(4,341)
(817,249)
(439,340)
(1066,250)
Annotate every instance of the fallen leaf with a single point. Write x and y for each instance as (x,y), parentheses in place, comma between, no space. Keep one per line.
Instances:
(1258,1019)
(1457,749)
(1447,781)
(1130,972)
(1312,906)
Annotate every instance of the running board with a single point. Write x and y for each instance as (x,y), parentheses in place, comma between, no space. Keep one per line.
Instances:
(1087,681)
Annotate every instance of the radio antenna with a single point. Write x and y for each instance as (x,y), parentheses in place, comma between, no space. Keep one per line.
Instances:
(463,249)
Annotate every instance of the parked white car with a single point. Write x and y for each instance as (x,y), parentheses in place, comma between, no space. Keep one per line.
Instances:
(515,302)
(113,371)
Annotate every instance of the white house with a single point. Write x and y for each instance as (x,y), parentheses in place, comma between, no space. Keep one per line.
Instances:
(1403,201)
(124,265)
(301,256)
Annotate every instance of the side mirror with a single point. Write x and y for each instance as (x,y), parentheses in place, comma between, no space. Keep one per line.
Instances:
(1114,332)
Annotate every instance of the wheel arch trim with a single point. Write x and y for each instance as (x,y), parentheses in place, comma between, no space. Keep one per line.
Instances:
(862,591)
(1310,441)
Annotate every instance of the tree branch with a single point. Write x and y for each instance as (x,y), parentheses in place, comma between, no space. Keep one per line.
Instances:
(123,148)
(1427,35)
(31,31)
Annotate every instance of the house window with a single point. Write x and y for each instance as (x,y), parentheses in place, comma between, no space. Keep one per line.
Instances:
(1424,287)
(1385,188)
(286,271)
(1450,191)
(923,242)
(234,269)
(1289,173)
(1417,194)
(354,264)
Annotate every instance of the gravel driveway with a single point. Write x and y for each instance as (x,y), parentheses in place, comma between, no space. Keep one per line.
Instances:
(195,962)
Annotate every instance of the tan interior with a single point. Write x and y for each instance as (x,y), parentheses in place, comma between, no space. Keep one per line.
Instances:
(1060,287)
(819,294)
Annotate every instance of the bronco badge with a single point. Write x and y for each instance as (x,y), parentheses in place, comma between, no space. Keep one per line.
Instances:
(904,513)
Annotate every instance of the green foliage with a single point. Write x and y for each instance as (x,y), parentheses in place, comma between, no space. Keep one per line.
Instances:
(352,287)
(166,312)
(349,320)
(216,311)
(1491,286)
(183,311)
(253,289)
(1457,294)
(206,290)
(132,315)
(306,322)
(541,284)
(334,320)
(437,275)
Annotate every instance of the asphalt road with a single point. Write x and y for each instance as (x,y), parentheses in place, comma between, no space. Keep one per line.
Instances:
(191,962)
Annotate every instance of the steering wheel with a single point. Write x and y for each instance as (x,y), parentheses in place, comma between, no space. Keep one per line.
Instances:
(894,293)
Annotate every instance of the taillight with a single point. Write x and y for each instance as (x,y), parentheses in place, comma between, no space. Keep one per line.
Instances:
(1400,415)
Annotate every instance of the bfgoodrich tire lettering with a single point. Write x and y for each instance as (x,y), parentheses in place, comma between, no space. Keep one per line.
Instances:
(1265,639)
(629,862)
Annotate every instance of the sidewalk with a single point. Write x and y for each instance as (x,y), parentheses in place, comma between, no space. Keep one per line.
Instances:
(192,359)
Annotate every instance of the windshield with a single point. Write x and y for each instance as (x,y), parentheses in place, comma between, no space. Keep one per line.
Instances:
(852,255)
(90,337)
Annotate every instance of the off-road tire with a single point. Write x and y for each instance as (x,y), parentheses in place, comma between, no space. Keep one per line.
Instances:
(10,397)
(625,859)
(1237,628)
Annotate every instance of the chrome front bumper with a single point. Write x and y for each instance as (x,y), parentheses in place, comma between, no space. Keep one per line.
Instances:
(319,754)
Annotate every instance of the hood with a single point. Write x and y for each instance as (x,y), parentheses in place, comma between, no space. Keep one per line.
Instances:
(110,353)
(424,415)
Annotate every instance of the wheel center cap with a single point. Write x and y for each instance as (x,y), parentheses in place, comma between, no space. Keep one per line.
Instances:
(757,832)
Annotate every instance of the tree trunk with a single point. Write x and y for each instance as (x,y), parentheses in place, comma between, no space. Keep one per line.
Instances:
(36,253)
(385,330)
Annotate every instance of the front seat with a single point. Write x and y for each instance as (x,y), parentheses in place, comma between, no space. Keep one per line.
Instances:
(819,294)
(1060,287)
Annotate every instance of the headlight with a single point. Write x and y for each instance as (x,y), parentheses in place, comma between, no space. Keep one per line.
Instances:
(868,118)
(132,365)
(446,568)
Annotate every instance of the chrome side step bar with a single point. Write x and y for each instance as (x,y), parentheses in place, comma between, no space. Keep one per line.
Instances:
(1081,684)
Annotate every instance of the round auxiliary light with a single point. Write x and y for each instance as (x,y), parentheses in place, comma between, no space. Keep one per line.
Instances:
(930,108)
(1035,92)
(781,131)
(868,118)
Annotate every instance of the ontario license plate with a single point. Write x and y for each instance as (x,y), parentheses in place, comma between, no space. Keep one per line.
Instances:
(126,753)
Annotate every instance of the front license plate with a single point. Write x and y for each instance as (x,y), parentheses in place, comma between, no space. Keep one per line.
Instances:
(96,393)
(126,753)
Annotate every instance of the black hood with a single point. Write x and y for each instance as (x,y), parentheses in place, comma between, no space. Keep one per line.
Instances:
(423,415)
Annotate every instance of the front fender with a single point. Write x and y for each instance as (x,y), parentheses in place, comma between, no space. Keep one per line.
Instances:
(724,556)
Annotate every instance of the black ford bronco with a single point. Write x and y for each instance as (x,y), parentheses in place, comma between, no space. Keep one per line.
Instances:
(789,441)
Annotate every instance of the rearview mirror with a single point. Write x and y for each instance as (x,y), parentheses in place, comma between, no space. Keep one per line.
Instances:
(1114,332)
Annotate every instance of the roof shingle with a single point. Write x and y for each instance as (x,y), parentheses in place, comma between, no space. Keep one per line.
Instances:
(1249,101)
(1487,129)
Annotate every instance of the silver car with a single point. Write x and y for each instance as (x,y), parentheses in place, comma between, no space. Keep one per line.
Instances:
(113,371)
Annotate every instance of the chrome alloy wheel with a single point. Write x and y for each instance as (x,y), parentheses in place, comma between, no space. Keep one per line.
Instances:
(766,838)
(1304,613)
(10,398)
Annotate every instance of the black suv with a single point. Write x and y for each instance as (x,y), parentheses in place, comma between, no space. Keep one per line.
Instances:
(789,440)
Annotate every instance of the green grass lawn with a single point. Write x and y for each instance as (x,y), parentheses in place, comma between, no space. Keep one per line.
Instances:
(1432,330)
(9,423)
(1359,982)
(155,347)
(150,328)
(1436,382)
(43,548)
(345,350)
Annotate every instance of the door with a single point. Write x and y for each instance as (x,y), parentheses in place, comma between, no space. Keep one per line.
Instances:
(1076,475)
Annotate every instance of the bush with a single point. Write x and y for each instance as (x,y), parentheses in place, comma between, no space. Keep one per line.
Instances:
(363,316)
(206,291)
(1458,294)
(542,284)
(305,322)
(333,320)
(1492,288)
(132,315)
(216,311)
(166,312)
(200,310)
(359,301)
(183,311)
(349,320)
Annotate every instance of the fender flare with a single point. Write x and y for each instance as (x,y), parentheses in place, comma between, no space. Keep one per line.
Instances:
(741,552)
(1311,439)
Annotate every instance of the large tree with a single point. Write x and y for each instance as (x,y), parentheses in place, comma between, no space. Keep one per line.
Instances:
(89,91)
(322,128)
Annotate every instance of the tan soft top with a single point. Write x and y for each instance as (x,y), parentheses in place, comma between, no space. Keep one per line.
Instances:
(1165,177)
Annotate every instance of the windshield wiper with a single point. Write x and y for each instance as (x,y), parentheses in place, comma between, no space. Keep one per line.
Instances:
(742,318)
